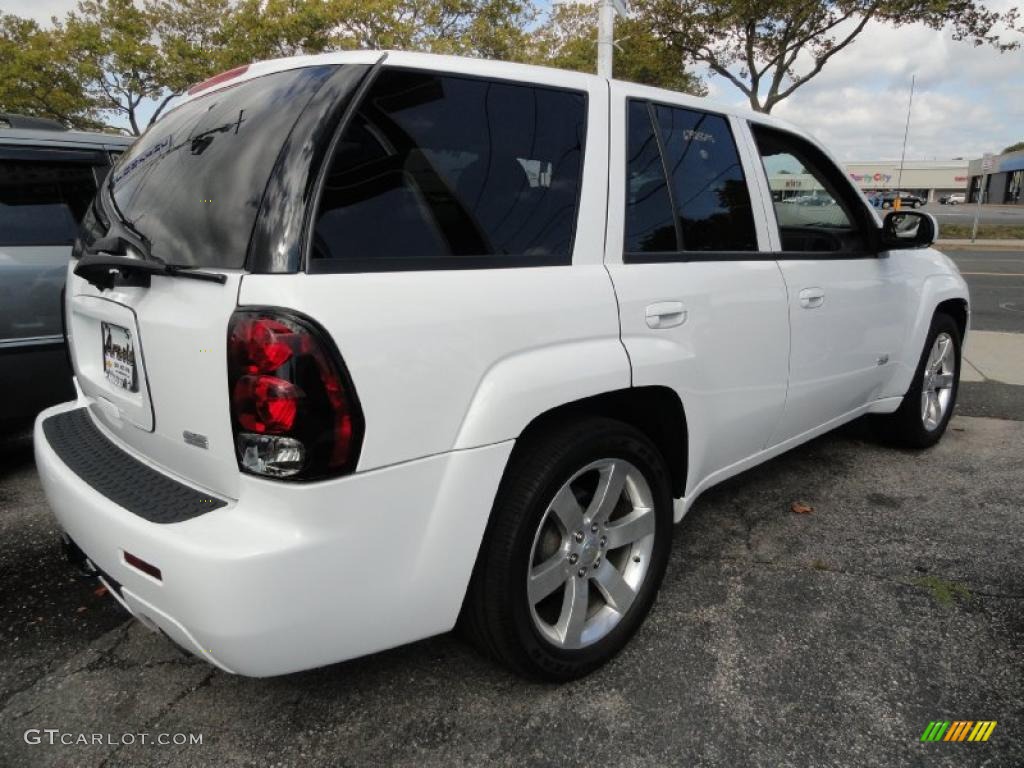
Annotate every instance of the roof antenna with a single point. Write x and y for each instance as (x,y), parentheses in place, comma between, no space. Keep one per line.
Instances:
(906,132)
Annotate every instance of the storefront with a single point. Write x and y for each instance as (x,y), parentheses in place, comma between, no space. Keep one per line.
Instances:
(930,179)
(1003,179)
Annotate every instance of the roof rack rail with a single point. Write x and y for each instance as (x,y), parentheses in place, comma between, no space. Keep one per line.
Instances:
(11,120)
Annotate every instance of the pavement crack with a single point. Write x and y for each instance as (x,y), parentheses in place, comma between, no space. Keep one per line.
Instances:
(184,694)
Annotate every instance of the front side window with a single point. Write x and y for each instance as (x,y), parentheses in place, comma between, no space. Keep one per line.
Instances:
(42,202)
(813,215)
(455,170)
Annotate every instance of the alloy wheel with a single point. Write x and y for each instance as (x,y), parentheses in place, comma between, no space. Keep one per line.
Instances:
(591,553)
(937,384)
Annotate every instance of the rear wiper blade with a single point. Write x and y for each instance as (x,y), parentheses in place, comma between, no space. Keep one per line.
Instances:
(107,268)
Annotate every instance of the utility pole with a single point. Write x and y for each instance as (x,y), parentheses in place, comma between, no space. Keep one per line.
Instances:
(606,10)
(986,168)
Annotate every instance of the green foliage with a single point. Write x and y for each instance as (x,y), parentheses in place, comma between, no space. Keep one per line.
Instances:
(568,40)
(115,44)
(40,77)
(108,58)
(1013,147)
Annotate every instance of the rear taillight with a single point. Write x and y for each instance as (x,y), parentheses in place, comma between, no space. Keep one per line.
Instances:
(293,408)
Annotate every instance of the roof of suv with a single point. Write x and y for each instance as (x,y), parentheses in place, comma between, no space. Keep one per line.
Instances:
(64,139)
(469,66)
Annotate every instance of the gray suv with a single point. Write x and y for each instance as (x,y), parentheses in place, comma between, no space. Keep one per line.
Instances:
(48,177)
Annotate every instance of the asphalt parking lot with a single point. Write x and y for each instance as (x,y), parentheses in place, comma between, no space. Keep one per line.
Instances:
(779,639)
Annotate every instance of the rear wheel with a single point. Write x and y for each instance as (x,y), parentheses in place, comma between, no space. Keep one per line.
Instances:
(928,405)
(576,549)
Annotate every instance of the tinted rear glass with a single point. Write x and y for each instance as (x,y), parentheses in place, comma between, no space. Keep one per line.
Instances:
(439,171)
(41,203)
(708,186)
(192,185)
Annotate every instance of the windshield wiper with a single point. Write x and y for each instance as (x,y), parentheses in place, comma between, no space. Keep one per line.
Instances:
(106,263)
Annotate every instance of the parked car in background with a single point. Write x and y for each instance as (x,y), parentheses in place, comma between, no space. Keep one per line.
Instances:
(907,200)
(371,344)
(956,198)
(48,177)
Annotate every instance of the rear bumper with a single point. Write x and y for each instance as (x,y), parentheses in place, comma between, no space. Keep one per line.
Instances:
(294,576)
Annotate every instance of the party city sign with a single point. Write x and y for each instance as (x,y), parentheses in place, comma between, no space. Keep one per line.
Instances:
(867,178)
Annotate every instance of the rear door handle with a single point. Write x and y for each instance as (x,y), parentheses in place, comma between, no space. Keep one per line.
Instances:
(812,298)
(666,314)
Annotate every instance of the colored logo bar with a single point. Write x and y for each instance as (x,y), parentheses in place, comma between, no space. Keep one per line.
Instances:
(958,730)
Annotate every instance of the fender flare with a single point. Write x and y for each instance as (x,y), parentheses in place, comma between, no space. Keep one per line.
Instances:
(519,388)
(934,290)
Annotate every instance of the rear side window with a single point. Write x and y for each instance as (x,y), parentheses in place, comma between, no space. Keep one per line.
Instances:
(440,171)
(193,183)
(709,189)
(41,202)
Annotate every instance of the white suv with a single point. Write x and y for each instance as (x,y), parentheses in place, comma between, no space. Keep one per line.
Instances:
(367,346)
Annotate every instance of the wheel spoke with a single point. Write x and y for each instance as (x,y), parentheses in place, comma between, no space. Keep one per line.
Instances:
(943,380)
(609,490)
(574,612)
(547,577)
(945,348)
(632,527)
(567,509)
(618,594)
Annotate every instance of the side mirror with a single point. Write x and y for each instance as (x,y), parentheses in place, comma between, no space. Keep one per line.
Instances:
(908,229)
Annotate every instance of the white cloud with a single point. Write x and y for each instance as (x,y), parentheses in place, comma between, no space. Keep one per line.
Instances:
(967,99)
(40,10)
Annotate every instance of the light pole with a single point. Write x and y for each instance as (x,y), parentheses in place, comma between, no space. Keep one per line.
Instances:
(606,10)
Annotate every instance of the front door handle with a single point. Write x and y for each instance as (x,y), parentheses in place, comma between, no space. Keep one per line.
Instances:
(812,298)
(666,314)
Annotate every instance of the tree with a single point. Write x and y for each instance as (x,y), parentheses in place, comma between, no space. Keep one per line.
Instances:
(194,44)
(39,77)
(568,40)
(1014,148)
(114,41)
(770,48)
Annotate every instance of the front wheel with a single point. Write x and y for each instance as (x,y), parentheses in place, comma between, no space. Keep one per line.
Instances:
(928,405)
(575,552)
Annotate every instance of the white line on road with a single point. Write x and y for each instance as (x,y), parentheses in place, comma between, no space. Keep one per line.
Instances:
(993,274)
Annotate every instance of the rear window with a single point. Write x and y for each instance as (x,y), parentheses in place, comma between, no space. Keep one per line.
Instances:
(442,171)
(192,185)
(41,203)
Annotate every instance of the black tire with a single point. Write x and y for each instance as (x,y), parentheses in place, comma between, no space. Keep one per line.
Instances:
(496,614)
(905,427)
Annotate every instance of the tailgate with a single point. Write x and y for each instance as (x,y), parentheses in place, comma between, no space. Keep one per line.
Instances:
(152,362)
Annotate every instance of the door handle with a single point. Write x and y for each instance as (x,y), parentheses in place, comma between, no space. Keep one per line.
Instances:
(812,298)
(666,314)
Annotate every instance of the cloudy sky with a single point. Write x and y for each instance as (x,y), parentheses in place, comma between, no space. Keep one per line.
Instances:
(967,100)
